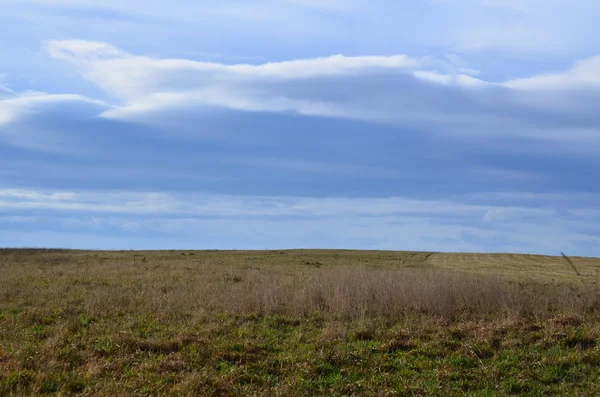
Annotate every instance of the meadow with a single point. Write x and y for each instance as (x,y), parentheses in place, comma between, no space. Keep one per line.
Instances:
(297,322)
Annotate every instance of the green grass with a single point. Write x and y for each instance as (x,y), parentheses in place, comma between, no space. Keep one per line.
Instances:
(277,355)
(143,324)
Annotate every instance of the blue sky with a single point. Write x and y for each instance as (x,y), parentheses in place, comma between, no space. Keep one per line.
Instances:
(424,125)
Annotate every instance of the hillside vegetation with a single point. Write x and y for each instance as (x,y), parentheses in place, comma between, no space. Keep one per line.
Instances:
(299,322)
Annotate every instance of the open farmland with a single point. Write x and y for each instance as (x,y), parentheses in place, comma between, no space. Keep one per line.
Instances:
(298,322)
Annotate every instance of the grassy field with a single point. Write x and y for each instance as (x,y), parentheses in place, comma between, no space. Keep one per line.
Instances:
(297,322)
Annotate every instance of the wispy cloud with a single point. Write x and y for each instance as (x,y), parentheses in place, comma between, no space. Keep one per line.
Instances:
(418,93)
(584,74)
(5,92)
(224,206)
(99,63)
(17,106)
(392,223)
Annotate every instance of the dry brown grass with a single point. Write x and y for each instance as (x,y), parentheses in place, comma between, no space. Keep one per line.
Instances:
(179,288)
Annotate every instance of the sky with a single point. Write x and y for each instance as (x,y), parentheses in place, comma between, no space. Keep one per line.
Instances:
(430,125)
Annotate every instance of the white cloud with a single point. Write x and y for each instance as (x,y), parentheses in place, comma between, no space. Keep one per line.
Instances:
(129,76)
(425,93)
(449,79)
(17,106)
(422,94)
(146,85)
(584,74)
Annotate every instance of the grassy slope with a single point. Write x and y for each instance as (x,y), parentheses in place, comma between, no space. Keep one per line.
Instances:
(113,323)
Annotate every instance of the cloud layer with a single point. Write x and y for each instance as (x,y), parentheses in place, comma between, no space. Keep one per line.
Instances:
(424,94)
(467,223)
